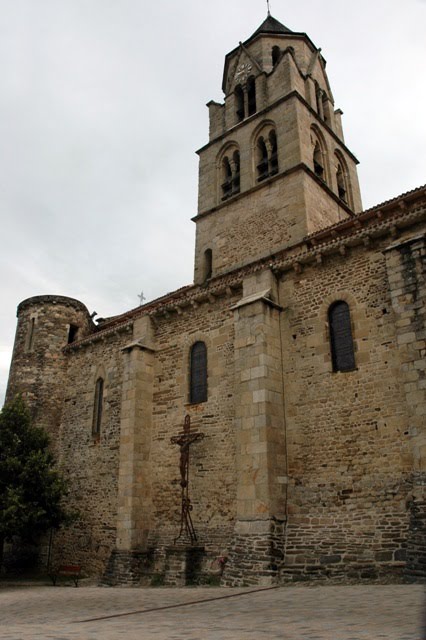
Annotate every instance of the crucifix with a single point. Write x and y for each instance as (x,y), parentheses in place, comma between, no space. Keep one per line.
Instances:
(184,441)
(141,298)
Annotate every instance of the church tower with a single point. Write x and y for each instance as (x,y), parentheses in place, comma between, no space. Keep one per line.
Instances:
(276,167)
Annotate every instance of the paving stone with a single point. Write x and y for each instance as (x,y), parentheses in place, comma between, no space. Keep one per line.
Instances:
(391,612)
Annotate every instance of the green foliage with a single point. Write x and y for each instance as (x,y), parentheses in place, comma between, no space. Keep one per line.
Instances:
(31,490)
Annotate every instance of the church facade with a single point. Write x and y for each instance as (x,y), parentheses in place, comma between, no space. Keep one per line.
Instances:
(298,354)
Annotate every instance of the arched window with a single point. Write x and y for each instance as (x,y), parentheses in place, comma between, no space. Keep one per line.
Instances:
(319,155)
(342,179)
(239,102)
(318,97)
(251,95)
(30,335)
(276,54)
(266,152)
(236,173)
(198,373)
(262,159)
(325,107)
(72,333)
(208,264)
(273,161)
(226,178)
(341,186)
(228,172)
(341,341)
(97,407)
(318,161)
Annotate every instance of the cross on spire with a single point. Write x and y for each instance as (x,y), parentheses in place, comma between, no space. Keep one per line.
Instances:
(269,8)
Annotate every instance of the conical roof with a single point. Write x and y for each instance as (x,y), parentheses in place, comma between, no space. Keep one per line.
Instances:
(271,26)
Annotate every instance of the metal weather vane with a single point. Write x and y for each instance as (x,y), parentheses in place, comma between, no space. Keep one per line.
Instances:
(184,441)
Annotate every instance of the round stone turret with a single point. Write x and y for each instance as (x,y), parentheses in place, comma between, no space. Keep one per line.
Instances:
(46,324)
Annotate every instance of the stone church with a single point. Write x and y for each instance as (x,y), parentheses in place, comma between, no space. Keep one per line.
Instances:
(296,362)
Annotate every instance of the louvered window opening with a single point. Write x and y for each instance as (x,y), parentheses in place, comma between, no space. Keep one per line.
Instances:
(98,406)
(262,167)
(198,382)
(236,176)
(251,96)
(227,184)
(342,345)
(239,98)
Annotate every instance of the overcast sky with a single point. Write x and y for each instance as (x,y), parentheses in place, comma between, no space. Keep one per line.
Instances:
(102,105)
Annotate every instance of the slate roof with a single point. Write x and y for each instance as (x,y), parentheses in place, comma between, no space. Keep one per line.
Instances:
(271,26)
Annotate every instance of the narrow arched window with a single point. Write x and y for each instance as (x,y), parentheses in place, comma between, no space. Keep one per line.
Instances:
(262,159)
(273,165)
(236,173)
(317,97)
(239,102)
(341,184)
(318,162)
(30,335)
(325,107)
(98,406)
(72,333)
(276,52)
(251,95)
(226,178)
(208,264)
(198,373)
(341,341)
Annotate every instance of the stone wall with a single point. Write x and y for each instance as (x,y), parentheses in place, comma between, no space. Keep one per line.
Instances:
(38,368)
(125,484)
(90,463)
(256,554)
(405,263)
(349,460)
(212,460)
(303,471)
(294,98)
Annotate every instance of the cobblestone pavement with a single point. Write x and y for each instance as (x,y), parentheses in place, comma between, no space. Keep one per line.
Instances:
(368,612)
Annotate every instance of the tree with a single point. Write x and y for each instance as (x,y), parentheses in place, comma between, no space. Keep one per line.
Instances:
(31,489)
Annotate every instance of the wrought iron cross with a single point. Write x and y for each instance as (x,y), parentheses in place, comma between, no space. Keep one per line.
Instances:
(184,441)
(141,298)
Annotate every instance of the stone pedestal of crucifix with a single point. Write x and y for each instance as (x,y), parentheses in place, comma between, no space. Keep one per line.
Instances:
(183,558)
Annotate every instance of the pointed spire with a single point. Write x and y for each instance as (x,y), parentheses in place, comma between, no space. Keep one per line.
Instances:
(271,26)
(269,8)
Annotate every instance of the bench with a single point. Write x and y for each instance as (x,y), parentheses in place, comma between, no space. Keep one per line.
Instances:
(72,571)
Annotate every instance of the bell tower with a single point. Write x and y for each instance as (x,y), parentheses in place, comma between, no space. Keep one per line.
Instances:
(276,167)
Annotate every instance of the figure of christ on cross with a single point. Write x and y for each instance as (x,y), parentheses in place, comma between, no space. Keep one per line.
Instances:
(184,441)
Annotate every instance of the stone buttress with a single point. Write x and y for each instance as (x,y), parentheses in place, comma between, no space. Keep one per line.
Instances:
(406,270)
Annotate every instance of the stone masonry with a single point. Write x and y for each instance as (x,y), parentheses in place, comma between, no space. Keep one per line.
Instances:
(306,470)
